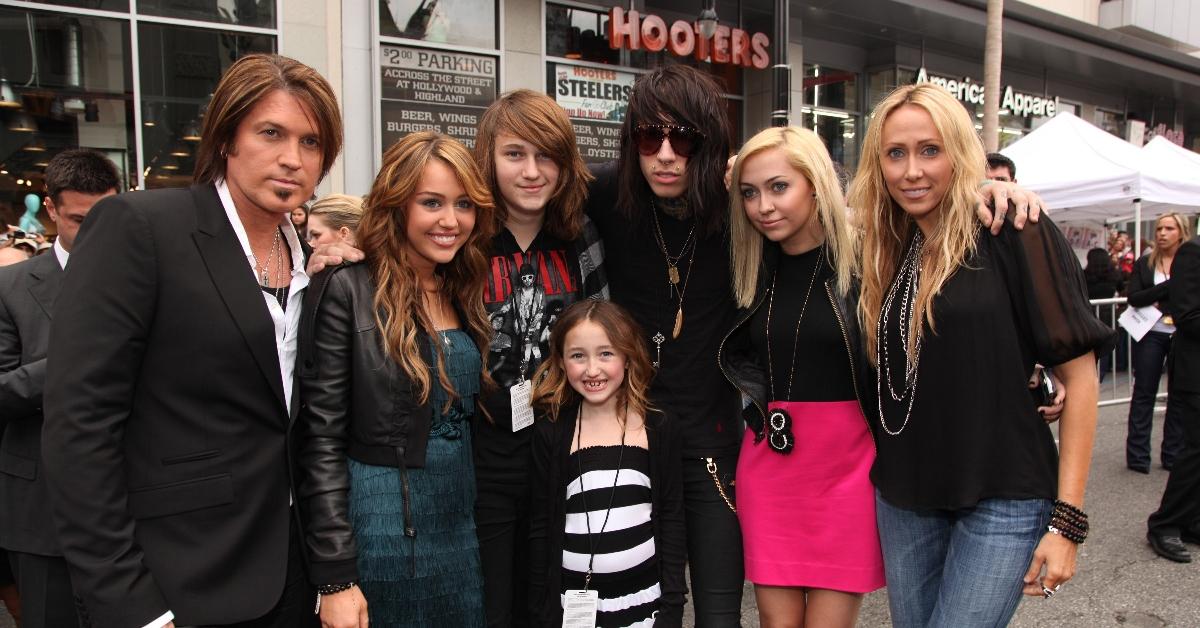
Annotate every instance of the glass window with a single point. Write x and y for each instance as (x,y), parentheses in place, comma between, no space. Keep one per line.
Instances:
(457,22)
(244,12)
(104,5)
(180,68)
(830,88)
(575,33)
(839,131)
(1110,121)
(65,82)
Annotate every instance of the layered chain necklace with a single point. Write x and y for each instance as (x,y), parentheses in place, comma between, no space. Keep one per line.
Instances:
(907,284)
(272,269)
(673,277)
(779,421)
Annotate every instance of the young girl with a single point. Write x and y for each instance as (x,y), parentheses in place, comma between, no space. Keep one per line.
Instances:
(974,499)
(805,501)
(608,508)
(390,367)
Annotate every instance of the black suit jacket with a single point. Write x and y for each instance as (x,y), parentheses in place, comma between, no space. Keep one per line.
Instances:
(1185,307)
(27,294)
(166,431)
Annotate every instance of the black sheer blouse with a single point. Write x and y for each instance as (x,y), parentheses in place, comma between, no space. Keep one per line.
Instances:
(974,432)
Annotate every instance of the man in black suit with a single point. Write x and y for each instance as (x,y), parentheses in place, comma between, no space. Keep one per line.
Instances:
(75,181)
(1178,517)
(169,387)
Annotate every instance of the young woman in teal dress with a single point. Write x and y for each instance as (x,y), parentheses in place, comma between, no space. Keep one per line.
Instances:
(390,369)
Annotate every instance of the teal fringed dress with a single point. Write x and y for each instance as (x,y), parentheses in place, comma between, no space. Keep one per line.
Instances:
(433,579)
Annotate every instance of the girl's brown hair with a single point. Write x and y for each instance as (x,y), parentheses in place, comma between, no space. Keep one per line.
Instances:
(552,391)
(400,312)
(537,119)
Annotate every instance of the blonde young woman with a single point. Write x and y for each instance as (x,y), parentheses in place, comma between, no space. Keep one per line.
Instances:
(975,505)
(805,501)
(334,219)
(1149,285)
(390,367)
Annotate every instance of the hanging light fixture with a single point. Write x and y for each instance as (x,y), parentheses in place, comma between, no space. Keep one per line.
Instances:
(179,150)
(8,97)
(150,117)
(191,132)
(707,22)
(22,123)
(35,146)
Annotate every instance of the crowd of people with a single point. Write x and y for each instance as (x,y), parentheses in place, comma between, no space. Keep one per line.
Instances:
(507,389)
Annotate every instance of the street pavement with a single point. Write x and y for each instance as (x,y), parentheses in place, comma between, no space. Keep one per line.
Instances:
(1120,581)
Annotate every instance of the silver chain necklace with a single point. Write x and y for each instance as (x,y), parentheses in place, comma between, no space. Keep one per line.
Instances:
(908,276)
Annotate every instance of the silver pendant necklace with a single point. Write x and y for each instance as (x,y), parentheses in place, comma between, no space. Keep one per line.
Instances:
(908,279)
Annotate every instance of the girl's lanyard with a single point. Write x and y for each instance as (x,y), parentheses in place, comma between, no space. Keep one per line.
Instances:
(587,579)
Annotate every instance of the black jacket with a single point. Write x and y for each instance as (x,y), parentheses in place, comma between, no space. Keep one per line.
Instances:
(1143,292)
(166,427)
(354,401)
(551,453)
(745,371)
(1185,297)
(27,294)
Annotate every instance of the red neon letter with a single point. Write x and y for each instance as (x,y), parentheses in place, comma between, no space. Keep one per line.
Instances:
(720,45)
(682,40)
(621,30)
(654,33)
(759,43)
(741,48)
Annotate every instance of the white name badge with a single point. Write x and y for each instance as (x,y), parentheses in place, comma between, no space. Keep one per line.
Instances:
(522,412)
(579,608)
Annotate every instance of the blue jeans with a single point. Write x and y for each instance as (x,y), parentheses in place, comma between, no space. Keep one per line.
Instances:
(958,568)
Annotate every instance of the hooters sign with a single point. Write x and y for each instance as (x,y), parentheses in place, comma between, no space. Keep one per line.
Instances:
(628,29)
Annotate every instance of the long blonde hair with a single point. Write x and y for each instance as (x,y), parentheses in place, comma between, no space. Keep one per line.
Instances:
(1185,234)
(886,226)
(399,310)
(552,390)
(806,153)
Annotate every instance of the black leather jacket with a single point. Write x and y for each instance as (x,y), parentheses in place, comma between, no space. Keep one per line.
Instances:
(745,371)
(355,402)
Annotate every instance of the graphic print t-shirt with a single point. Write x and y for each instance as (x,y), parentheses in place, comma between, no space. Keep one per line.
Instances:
(526,292)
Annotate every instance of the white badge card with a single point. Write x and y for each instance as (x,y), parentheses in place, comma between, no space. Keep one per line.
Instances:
(522,412)
(579,608)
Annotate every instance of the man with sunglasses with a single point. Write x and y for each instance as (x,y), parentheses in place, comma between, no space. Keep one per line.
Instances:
(661,212)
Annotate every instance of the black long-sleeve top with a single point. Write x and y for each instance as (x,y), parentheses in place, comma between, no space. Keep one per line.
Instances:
(551,453)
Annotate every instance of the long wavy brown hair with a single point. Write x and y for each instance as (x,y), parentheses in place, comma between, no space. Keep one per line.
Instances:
(399,310)
(552,391)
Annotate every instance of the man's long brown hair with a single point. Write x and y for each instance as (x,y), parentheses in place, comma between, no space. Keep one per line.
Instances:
(399,310)
(537,119)
(247,82)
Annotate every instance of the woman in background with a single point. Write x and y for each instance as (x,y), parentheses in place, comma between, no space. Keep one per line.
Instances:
(334,218)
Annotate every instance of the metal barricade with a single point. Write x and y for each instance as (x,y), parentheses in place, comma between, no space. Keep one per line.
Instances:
(1116,369)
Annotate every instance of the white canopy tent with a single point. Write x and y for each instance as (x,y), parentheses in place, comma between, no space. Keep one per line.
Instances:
(1085,174)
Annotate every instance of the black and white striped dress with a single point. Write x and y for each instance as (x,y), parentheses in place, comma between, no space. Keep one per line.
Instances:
(625,568)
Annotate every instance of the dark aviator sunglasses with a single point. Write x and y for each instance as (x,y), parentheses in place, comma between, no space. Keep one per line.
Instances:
(684,139)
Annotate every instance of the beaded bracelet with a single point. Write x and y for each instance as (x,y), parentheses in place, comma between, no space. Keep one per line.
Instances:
(330,589)
(1068,522)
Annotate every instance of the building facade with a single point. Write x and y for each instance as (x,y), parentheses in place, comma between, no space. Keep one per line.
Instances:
(132,77)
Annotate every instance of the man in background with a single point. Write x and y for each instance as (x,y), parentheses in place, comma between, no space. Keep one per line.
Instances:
(1001,168)
(75,181)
